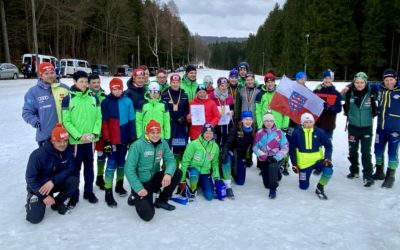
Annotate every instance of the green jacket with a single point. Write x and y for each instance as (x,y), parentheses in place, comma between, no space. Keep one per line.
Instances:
(189,87)
(143,161)
(263,101)
(195,156)
(101,95)
(359,116)
(153,109)
(81,114)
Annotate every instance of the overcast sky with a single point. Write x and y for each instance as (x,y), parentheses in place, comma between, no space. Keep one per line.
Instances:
(231,18)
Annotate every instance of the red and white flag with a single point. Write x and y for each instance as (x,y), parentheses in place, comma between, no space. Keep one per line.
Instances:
(293,99)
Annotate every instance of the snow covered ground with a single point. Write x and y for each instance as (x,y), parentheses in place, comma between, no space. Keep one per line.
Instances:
(354,217)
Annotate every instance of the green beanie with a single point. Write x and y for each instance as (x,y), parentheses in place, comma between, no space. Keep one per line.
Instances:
(362,76)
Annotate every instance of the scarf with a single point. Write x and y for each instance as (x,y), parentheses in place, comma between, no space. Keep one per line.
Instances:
(221,95)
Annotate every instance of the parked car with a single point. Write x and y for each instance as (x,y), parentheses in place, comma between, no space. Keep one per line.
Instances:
(180,69)
(100,69)
(8,71)
(70,66)
(123,70)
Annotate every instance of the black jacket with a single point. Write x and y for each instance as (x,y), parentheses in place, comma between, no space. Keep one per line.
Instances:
(134,93)
(46,163)
(239,140)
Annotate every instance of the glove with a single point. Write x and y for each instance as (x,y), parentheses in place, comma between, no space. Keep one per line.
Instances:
(327,163)
(181,120)
(326,106)
(37,125)
(262,157)
(295,169)
(182,186)
(271,159)
(107,147)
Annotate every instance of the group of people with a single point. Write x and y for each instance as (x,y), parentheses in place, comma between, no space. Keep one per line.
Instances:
(188,136)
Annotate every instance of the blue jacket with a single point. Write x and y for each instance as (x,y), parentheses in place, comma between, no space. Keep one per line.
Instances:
(45,163)
(40,107)
(118,120)
(388,107)
(299,147)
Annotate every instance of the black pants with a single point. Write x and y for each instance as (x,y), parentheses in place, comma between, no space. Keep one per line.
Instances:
(35,208)
(84,154)
(271,174)
(145,206)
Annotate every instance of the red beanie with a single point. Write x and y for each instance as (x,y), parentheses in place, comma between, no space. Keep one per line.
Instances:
(46,67)
(175,77)
(269,77)
(59,133)
(137,72)
(153,125)
(116,83)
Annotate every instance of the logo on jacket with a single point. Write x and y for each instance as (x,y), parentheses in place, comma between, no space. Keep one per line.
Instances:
(159,153)
(148,153)
(296,101)
(396,97)
(43,98)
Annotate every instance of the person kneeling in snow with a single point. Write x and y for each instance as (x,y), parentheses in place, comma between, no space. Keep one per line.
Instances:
(201,159)
(142,169)
(271,146)
(305,150)
(50,170)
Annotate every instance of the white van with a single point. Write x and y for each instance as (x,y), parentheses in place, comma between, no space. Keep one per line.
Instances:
(70,66)
(30,59)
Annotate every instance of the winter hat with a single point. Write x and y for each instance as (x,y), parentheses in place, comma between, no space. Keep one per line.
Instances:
(201,87)
(79,74)
(46,67)
(244,65)
(116,83)
(153,86)
(389,73)
(361,75)
(59,133)
(250,74)
(207,127)
(208,79)
(233,73)
(175,77)
(269,77)
(300,75)
(190,67)
(246,114)
(268,117)
(137,72)
(328,73)
(93,76)
(222,80)
(306,116)
(153,125)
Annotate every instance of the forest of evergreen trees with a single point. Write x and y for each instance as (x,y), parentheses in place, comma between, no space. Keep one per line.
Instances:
(101,31)
(345,36)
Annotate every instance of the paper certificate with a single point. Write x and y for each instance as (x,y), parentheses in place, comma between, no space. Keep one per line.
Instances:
(225,115)
(198,114)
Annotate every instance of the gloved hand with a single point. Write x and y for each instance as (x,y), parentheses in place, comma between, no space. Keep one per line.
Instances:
(182,186)
(285,130)
(271,159)
(327,163)
(295,169)
(107,147)
(181,120)
(326,106)
(262,157)
(37,125)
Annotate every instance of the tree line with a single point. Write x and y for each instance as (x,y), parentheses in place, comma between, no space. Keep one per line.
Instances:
(101,31)
(345,36)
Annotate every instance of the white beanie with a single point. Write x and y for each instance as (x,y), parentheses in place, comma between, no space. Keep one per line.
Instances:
(153,86)
(305,117)
(268,117)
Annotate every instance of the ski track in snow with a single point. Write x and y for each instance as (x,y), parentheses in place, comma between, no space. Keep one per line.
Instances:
(354,217)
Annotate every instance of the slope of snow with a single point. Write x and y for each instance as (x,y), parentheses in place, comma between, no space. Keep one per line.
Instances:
(354,217)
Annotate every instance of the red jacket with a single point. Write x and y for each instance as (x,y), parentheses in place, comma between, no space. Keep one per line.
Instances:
(212,116)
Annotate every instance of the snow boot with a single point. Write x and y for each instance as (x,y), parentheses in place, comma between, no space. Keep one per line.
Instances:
(119,188)
(90,197)
(379,175)
(272,193)
(72,203)
(352,175)
(320,192)
(131,200)
(229,194)
(163,204)
(389,179)
(60,208)
(110,198)
(100,182)
(192,194)
(368,182)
